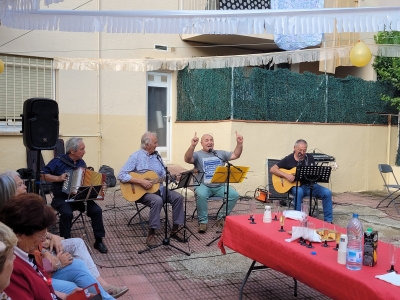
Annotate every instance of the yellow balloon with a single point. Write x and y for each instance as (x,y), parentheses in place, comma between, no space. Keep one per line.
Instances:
(360,55)
(1,66)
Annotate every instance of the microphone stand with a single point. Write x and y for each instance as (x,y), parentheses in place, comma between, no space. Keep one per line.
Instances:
(297,182)
(227,189)
(166,240)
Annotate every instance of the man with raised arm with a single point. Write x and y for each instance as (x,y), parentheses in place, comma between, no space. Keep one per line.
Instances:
(206,161)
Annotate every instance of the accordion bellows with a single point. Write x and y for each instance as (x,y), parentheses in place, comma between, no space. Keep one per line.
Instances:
(81,177)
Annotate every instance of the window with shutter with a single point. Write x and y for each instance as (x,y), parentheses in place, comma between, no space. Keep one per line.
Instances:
(22,78)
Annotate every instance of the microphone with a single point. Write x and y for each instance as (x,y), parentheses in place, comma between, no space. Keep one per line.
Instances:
(212,151)
(300,161)
(155,153)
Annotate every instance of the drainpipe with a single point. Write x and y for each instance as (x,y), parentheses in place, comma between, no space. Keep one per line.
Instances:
(98,96)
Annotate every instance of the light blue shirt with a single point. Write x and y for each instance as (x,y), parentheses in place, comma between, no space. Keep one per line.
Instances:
(140,162)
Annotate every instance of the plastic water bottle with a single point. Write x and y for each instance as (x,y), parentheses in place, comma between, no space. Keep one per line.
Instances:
(354,252)
(267,214)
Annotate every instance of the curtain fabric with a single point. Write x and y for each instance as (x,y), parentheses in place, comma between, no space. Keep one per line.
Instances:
(337,39)
(215,62)
(297,41)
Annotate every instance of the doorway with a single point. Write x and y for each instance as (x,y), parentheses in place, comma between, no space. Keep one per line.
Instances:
(159,110)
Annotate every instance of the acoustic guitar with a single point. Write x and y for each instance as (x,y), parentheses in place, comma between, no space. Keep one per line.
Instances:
(282,185)
(133,191)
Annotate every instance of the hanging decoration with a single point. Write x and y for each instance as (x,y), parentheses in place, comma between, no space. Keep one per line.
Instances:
(290,42)
(250,21)
(1,66)
(360,55)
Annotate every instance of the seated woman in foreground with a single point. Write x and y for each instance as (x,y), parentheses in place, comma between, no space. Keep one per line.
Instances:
(29,218)
(54,244)
(7,242)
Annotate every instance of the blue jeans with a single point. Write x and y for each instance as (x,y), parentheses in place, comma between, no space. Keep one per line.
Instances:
(75,275)
(320,192)
(203,192)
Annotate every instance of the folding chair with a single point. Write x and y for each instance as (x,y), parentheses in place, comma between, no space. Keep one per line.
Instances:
(284,199)
(142,222)
(114,207)
(78,217)
(385,169)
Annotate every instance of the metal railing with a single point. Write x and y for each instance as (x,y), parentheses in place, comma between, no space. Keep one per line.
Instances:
(198,4)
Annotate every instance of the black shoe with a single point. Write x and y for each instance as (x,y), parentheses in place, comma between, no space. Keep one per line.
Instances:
(101,247)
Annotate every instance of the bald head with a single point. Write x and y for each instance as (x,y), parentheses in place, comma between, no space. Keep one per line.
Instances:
(207,142)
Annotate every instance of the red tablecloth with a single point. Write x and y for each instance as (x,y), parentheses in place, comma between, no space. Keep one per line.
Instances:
(263,243)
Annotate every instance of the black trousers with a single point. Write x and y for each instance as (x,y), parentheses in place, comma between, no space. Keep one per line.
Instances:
(66,210)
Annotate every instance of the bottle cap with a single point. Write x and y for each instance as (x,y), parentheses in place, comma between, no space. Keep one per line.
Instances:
(355,215)
(369,229)
(313,253)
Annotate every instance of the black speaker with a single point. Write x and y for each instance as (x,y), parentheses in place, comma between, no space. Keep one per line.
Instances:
(40,125)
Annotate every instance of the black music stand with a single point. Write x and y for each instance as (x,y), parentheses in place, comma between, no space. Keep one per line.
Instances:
(86,193)
(312,174)
(166,240)
(188,179)
(228,174)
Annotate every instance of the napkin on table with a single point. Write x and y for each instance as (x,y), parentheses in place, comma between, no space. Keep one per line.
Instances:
(391,277)
(298,232)
(294,214)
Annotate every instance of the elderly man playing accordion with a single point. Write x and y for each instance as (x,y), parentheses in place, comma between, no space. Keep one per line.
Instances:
(55,172)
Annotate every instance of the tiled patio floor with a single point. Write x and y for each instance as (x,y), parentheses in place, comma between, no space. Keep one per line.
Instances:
(167,273)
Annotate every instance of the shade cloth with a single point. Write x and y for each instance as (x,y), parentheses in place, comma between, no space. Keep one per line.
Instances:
(299,21)
(263,243)
(213,62)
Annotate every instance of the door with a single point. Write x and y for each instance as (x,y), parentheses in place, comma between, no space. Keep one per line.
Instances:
(158,110)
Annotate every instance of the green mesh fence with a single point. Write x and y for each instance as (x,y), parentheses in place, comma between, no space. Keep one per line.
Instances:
(280,95)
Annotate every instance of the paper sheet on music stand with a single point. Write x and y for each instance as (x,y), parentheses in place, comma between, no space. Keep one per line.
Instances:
(237,174)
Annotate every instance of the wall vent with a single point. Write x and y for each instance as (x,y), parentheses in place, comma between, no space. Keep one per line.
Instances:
(161,47)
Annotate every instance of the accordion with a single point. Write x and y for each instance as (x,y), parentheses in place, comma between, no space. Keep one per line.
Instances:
(80,180)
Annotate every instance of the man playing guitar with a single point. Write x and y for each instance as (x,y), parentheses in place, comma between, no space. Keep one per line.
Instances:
(299,157)
(145,160)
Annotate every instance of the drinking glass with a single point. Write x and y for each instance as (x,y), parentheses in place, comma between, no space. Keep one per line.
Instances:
(393,246)
(310,234)
(276,210)
(325,234)
(282,222)
(302,240)
(337,237)
(252,209)
(305,210)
